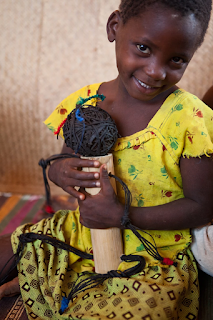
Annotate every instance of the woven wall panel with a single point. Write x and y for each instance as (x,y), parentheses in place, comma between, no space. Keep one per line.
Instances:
(199,74)
(50,48)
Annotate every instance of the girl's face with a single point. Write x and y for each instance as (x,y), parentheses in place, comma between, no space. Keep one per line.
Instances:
(153,50)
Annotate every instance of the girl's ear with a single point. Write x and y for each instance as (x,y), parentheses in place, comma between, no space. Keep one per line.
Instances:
(112,25)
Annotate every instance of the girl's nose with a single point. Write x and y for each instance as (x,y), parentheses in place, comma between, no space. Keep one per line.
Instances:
(156,70)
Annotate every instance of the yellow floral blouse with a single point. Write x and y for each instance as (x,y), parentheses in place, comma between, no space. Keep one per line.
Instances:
(148,162)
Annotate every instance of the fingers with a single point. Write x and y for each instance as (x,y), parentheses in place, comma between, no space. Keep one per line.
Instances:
(73,192)
(83,175)
(81,163)
(10,288)
(106,186)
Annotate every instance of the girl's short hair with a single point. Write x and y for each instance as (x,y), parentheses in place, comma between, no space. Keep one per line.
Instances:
(200,8)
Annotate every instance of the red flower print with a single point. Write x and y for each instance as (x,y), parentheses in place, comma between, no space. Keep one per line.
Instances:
(136,147)
(151,183)
(177,237)
(198,113)
(166,193)
(190,136)
(164,148)
(88,92)
(63,111)
(190,139)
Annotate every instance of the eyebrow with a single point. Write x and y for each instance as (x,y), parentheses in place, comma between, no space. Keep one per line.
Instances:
(150,43)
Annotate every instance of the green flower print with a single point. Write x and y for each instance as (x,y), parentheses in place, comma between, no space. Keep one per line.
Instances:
(134,172)
(73,227)
(149,158)
(173,142)
(119,161)
(127,237)
(178,107)
(177,92)
(164,172)
(50,127)
(140,248)
(140,200)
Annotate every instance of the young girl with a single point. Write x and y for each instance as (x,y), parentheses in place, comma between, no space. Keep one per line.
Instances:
(163,155)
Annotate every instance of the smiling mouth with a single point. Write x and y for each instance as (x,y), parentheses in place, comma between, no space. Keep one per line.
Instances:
(144,85)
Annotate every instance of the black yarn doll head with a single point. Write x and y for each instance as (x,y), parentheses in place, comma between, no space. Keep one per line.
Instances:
(88,130)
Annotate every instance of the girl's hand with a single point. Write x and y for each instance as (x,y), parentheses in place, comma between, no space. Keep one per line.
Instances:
(103,210)
(65,174)
(10,288)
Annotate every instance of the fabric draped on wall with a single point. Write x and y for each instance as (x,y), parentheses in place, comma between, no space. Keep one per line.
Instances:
(50,49)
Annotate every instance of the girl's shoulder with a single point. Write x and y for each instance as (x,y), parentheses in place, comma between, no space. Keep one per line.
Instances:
(187,124)
(62,110)
(186,106)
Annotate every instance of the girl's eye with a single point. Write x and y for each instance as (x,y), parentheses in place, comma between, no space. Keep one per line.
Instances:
(143,48)
(177,60)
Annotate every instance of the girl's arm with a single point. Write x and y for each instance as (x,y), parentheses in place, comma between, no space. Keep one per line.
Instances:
(194,210)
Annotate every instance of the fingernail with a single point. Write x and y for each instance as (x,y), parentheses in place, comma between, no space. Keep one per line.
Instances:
(96,164)
(96,175)
(98,184)
(81,197)
(104,166)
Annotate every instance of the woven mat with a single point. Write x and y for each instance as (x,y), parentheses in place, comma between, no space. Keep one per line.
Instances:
(16,210)
(206,297)
(12,309)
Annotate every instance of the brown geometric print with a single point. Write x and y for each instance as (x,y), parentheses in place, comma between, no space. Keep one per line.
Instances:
(156,293)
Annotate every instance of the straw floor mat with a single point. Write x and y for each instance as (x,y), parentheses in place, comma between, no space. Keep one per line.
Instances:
(16,210)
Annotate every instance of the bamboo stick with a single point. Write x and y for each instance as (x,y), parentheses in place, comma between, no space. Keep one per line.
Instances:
(107,243)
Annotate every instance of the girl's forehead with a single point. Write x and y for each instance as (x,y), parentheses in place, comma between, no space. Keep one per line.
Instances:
(163,24)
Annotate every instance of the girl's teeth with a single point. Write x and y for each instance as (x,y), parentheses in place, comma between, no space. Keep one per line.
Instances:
(144,85)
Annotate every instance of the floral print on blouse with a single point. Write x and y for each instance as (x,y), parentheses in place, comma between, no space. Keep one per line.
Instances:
(148,162)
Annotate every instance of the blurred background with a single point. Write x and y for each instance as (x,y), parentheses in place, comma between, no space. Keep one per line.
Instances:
(49,49)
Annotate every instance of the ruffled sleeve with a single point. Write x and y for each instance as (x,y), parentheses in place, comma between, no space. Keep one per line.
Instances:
(185,126)
(61,112)
(199,133)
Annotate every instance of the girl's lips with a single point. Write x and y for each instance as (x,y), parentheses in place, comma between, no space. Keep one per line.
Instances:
(146,85)
(145,88)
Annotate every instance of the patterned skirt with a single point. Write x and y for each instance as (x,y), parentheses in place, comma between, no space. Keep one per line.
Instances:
(45,277)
